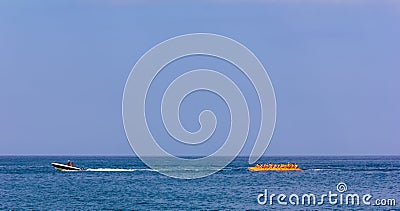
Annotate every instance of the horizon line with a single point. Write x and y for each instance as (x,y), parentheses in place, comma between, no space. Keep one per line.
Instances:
(134,155)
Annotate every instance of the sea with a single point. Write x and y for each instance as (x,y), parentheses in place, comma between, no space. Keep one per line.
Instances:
(126,183)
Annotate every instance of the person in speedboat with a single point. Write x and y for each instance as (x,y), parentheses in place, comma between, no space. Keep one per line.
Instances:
(69,163)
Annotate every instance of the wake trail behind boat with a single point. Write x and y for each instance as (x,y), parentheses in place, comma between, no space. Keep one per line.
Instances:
(116,170)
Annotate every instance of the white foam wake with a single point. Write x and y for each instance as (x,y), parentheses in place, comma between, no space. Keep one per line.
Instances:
(117,170)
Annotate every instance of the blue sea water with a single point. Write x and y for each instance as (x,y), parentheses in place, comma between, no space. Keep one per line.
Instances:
(125,183)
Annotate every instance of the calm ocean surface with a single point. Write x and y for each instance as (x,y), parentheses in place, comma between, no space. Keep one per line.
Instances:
(30,182)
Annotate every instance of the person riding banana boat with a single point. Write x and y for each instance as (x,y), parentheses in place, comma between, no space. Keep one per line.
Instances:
(275,167)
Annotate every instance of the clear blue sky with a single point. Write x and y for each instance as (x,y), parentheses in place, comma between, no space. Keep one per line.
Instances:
(334,65)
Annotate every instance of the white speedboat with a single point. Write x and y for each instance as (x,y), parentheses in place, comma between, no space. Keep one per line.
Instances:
(63,167)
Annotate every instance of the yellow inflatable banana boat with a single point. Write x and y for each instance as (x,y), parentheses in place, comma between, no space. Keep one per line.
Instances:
(275,167)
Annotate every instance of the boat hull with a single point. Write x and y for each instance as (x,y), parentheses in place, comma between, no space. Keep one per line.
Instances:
(63,167)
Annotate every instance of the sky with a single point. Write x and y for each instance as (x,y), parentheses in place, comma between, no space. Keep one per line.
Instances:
(334,66)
